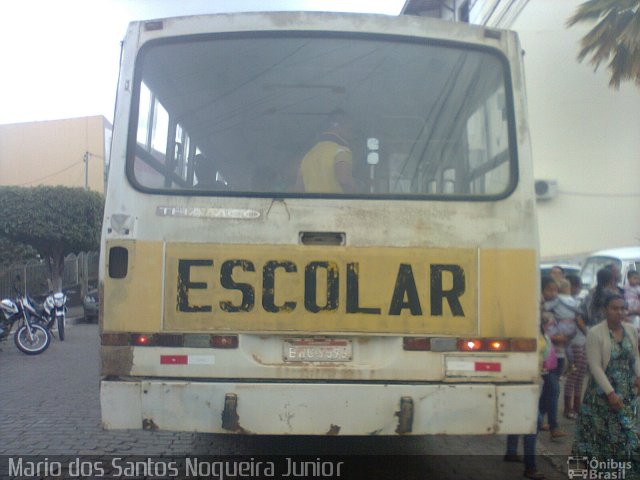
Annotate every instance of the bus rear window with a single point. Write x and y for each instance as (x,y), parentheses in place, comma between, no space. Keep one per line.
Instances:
(237,115)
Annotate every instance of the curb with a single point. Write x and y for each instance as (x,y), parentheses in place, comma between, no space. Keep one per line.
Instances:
(75,315)
(553,459)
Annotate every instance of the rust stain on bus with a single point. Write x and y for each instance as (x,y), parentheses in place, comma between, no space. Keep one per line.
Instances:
(116,361)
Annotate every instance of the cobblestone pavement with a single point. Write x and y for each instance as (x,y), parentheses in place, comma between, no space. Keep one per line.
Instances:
(49,405)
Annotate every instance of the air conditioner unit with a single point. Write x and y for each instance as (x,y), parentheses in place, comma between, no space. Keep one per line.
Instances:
(546,189)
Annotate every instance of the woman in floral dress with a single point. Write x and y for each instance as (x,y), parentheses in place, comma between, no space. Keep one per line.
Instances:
(607,423)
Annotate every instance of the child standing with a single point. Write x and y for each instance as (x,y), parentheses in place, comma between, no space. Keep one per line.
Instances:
(632,297)
(551,384)
(576,353)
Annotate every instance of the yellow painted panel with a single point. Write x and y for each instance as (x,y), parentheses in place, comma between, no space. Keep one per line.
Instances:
(314,290)
(319,289)
(509,293)
(134,303)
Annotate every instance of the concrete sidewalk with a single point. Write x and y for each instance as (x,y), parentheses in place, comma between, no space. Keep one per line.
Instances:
(557,451)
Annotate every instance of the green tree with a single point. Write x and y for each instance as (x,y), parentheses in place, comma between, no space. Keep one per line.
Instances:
(615,38)
(14,252)
(55,221)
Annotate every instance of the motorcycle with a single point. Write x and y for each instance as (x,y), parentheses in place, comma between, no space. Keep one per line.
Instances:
(54,311)
(50,314)
(30,337)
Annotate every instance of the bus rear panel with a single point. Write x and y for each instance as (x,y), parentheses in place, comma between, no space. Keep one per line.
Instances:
(406,304)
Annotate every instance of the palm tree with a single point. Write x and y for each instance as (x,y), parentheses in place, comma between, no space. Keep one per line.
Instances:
(614,39)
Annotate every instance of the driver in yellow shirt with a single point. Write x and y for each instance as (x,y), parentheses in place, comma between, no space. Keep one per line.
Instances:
(327,167)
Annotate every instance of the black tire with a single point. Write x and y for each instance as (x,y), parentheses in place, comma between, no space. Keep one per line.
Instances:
(60,320)
(41,339)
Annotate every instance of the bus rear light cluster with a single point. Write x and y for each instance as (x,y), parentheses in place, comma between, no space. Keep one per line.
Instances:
(484,345)
(195,340)
(448,344)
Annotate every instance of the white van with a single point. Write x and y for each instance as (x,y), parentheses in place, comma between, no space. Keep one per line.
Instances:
(625,259)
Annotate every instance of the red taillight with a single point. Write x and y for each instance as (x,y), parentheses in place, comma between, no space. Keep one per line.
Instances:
(224,341)
(142,340)
(416,343)
(524,345)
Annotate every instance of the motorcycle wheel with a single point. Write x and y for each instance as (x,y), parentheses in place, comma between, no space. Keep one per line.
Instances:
(60,321)
(41,339)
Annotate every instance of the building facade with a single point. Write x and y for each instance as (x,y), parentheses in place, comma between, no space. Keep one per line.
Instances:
(585,135)
(71,152)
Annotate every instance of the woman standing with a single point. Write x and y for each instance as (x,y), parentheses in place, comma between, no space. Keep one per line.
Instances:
(607,423)
(593,305)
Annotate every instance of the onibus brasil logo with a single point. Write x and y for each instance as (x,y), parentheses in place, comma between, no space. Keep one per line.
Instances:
(593,468)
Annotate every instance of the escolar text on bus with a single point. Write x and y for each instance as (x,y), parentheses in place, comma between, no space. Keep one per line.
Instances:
(447,284)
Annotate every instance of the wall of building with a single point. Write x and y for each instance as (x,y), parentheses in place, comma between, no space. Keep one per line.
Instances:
(53,152)
(585,135)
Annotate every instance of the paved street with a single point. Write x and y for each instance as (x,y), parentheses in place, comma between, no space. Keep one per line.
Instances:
(50,406)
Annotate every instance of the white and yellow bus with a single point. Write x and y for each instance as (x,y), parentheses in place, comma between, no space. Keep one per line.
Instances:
(406,304)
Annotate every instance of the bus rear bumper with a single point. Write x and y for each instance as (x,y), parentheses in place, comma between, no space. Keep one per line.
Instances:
(319,408)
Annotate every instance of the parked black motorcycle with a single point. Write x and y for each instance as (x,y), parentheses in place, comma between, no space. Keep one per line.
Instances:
(30,337)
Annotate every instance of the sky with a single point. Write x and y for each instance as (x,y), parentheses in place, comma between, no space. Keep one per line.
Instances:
(60,57)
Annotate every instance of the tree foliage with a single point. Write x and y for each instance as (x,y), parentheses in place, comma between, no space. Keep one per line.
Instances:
(615,38)
(55,221)
(12,252)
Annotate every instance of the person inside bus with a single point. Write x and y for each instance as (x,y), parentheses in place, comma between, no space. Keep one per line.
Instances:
(327,167)
(206,173)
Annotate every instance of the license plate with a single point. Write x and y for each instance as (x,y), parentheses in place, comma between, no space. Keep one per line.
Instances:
(318,350)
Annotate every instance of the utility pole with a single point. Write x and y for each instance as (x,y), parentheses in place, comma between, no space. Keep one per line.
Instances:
(86,171)
(87,155)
